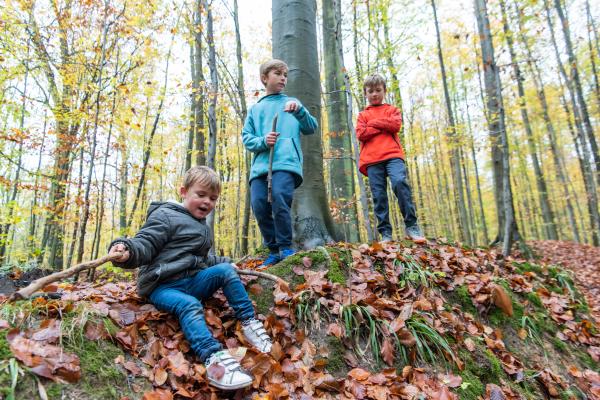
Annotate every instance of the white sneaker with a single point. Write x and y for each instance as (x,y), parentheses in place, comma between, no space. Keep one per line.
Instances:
(255,333)
(231,377)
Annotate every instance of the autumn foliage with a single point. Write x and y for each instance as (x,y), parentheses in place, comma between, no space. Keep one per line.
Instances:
(378,290)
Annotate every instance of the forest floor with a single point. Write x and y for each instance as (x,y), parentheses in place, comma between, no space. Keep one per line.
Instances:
(395,321)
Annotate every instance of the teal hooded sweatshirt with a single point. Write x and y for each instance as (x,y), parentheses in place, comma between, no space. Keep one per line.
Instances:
(287,155)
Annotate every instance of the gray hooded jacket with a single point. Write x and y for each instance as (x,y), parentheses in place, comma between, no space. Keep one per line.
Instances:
(171,245)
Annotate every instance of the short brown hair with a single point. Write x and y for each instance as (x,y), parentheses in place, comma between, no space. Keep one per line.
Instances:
(203,175)
(372,81)
(270,65)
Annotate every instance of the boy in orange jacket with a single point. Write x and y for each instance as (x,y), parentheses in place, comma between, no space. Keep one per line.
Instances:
(382,156)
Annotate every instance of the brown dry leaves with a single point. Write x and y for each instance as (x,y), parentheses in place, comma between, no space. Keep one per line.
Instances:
(297,366)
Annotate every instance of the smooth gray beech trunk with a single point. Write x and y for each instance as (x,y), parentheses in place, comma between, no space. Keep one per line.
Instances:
(341,169)
(295,42)
(507,225)
(547,212)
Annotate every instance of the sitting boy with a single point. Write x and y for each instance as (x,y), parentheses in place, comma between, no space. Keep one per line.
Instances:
(177,273)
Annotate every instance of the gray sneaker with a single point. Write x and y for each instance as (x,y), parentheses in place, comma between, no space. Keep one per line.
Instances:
(386,237)
(224,372)
(415,234)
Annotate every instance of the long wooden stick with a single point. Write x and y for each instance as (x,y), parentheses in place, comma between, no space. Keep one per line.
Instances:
(270,172)
(38,284)
(57,276)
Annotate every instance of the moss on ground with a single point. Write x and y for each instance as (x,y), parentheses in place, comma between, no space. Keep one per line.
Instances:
(336,364)
(535,300)
(528,267)
(462,296)
(472,388)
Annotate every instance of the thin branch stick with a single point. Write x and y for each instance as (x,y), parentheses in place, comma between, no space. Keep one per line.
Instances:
(264,275)
(38,284)
(270,171)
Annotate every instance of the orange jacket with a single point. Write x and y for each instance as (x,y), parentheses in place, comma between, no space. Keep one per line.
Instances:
(377,130)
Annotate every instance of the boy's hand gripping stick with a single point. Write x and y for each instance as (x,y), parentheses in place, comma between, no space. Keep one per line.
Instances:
(270,172)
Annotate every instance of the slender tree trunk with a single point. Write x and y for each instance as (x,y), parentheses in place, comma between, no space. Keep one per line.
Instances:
(86,199)
(578,88)
(212,105)
(243,111)
(591,28)
(453,142)
(389,51)
(189,150)
(5,228)
(507,226)
(199,75)
(151,137)
(541,94)
(295,41)
(547,212)
(588,175)
(77,209)
(357,57)
(341,174)
(34,201)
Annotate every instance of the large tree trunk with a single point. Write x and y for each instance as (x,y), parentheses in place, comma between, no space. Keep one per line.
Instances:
(547,213)
(295,42)
(453,143)
(341,171)
(507,226)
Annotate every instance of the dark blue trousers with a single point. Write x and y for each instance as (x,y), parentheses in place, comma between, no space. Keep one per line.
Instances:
(395,169)
(274,220)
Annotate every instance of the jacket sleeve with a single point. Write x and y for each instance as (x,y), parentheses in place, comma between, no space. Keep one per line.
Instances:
(389,124)
(254,141)
(214,260)
(148,242)
(308,123)
(363,131)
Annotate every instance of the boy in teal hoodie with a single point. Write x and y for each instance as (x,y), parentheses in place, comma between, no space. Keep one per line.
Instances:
(275,219)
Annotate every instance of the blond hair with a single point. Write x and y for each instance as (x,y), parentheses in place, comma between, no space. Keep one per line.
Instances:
(203,175)
(270,65)
(373,81)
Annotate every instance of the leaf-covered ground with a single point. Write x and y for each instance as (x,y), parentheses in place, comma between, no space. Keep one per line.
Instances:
(583,260)
(399,321)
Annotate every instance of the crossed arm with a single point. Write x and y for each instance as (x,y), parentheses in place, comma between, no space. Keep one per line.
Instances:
(366,130)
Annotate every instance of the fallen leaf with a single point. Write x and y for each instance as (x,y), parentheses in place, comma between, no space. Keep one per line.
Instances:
(502,300)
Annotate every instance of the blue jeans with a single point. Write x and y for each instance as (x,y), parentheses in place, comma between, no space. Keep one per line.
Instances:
(396,170)
(274,220)
(183,299)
